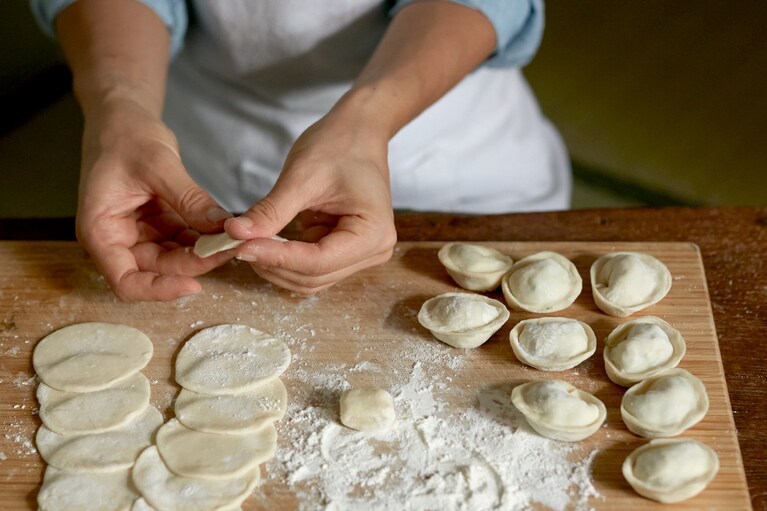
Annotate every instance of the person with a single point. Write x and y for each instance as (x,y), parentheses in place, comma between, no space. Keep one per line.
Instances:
(326,114)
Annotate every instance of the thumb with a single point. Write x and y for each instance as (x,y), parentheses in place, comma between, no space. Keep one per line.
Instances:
(191,202)
(267,217)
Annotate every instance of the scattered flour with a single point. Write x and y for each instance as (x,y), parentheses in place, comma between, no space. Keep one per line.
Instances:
(482,457)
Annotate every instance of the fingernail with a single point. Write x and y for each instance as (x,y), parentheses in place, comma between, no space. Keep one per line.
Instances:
(216,215)
(248,258)
(244,221)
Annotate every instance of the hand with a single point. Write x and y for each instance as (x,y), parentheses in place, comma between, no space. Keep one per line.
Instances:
(336,182)
(139,212)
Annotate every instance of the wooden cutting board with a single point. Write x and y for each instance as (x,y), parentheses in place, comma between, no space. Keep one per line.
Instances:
(368,318)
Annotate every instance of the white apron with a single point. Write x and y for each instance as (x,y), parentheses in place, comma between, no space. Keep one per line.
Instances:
(255,74)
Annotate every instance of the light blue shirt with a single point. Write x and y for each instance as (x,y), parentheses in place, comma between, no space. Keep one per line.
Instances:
(518,24)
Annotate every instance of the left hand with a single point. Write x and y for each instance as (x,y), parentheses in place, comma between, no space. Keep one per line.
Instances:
(335,183)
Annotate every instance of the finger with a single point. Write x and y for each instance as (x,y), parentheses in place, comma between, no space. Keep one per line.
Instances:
(267,217)
(178,261)
(198,209)
(338,250)
(287,283)
(120,268)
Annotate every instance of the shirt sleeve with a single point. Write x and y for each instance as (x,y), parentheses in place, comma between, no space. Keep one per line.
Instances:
(518,27)
(172,12)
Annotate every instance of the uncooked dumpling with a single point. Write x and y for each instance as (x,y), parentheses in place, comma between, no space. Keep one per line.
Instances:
(642,348)
(233,413)
(626,282)
(542,282)
(463,320)
(193,453)
(72,413)
(109,451)
(671,470)
(557,410)
(230,359)
(167,491)
(552,344)
(367,409)
(474,267)
(91,356)
(664,405)
(70,491)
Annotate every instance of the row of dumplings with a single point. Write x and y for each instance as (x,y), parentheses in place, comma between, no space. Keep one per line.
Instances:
(663,401)
(623,282)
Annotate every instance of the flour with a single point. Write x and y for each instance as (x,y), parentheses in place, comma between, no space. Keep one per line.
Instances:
(480,455)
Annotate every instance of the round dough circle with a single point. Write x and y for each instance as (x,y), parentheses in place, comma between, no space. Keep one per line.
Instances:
(91,356)
(193,453)
(367,409)
(71,491)
(233,413)
(230,359)
(71,413)
(109,451)
(168,491)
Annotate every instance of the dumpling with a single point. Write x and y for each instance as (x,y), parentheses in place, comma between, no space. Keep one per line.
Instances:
(641,348)
(664,405)
(671,470)
(626,282)
(542,282)
(557,410)
(463,320)
(552,344)
(474,267)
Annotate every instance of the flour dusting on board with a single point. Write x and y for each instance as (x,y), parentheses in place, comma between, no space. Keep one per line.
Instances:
(484,457)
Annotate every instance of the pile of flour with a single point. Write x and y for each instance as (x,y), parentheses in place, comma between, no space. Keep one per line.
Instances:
(483,456)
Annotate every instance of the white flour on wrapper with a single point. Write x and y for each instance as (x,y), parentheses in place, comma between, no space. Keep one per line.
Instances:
(485,457)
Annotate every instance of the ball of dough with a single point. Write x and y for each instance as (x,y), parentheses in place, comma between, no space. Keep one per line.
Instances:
(367,409)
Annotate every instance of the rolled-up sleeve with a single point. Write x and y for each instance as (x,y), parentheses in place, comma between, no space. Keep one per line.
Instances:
(172,12)
(518,27)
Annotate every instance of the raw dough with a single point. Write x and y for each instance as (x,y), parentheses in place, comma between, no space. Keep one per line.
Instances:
(71,413)
(671,470)
(209,244)
(68,491)
(142,505)
(626,282)
(557,410)
(109,451)
(228,413)
(230,359)
(214,456)
(170,492)
(463,320)
(542,282)
(367,409)
(91,356)
(642,348)
(474,267)
(552,344)
(664,405)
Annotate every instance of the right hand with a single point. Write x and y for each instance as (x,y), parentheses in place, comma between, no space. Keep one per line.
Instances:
(139,212)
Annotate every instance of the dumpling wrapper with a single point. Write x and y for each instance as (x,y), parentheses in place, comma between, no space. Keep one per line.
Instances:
(462,320)
(230,359)
(552,344)
(74,413)
(87,357)
(167,491)
(193,453)
(71,491)
(109,451)
(474,267)
(233,413)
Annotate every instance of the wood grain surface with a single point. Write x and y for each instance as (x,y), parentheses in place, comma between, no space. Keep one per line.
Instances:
(44,286)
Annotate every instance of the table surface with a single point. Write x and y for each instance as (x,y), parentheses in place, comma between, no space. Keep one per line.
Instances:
(733,244)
